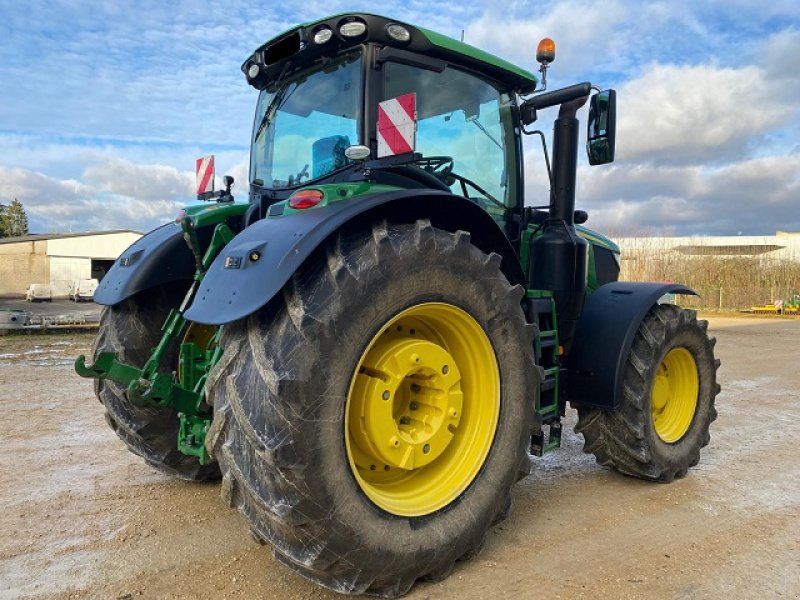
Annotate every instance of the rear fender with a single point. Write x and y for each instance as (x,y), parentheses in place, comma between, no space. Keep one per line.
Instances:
(157,258)
(604,336)
(258,262)
(163,256)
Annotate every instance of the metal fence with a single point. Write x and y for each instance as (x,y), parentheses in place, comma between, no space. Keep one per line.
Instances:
(735,298)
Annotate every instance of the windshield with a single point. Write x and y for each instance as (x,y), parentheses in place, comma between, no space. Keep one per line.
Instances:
(465,118)
(304,124)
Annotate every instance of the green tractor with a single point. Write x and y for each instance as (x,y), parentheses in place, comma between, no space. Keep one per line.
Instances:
(369,348)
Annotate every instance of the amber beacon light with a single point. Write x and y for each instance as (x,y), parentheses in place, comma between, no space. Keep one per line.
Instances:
(546,51)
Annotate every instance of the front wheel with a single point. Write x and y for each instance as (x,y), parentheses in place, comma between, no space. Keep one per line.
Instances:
(132,329)
(669,388)
(371,421)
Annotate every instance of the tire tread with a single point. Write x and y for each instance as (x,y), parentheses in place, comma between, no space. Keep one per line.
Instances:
(624,439)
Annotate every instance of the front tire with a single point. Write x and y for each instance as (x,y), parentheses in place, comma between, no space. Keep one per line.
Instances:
(314,426)
(132,329)
(669,389)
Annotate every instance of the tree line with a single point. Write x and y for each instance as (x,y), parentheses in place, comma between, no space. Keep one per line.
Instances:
(13,219)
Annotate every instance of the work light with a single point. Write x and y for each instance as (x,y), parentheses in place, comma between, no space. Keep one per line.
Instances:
(353,28)
(323,35)
(398,32)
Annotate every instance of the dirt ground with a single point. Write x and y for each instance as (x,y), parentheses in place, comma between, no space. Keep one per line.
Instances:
(83,518)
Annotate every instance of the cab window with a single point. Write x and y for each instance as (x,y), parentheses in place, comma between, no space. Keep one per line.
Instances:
(466,118)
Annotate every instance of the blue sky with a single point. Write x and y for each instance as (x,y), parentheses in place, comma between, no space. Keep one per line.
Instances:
(105,106)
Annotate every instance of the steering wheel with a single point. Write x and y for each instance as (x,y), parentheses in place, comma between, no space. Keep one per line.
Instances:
(439,166)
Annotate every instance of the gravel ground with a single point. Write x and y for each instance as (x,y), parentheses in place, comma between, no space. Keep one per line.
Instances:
(83,518)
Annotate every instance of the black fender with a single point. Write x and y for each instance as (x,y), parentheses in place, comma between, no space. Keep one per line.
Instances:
(156,258)
(603,338)
(259,261)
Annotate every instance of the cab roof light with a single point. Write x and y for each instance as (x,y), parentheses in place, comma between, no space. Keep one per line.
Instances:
(323,35)
(352,29)
(398,33)
(305,199)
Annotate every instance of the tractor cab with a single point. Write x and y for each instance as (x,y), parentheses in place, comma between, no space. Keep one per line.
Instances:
(424,112)
(361,99)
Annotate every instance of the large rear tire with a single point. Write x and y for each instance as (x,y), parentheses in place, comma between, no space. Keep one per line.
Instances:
(371,420)
(132,329)
(669,389)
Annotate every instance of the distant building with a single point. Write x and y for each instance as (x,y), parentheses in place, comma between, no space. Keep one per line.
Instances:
(783,245)
(59,258)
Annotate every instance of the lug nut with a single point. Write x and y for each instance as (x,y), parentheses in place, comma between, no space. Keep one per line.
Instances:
(394,442)
(385,395)
(415,387)
(445,369)
(453,413)
(426,448)
(413,406)
(404,420)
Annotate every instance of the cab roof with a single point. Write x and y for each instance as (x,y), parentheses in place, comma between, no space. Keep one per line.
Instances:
(296,47)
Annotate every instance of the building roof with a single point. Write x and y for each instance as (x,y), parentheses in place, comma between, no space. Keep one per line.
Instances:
(727,249)
(783,245)
(40,237)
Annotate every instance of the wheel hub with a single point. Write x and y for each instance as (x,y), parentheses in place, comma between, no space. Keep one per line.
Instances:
(422,409)
(660,392)
(410,404)
(673,397)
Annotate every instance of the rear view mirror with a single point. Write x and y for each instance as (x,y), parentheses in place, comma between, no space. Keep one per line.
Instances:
(602,131)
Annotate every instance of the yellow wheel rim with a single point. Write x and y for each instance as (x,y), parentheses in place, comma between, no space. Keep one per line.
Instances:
(422,409)
(673,398)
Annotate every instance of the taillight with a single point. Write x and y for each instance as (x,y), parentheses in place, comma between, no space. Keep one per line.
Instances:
(305,199)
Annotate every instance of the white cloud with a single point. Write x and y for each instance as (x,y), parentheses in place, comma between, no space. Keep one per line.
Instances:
(756,196)
(56,205)
(117,176)
(691,114)
(583,32)
(105,110)
(104,214)
(37,189)
(240,172)
(781,59)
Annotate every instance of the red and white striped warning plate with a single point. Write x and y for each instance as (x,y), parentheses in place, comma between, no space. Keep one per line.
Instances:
(397,125)
(204,173)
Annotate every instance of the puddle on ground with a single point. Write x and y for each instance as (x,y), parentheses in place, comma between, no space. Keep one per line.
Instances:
(42,351)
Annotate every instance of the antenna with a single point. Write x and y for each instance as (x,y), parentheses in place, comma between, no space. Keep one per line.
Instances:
(462,35)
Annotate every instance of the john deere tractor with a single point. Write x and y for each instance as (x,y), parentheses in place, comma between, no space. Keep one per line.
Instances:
(367,350)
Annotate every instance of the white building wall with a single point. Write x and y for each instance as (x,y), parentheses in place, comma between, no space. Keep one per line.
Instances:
(65,269)
(57,261)
(106,246)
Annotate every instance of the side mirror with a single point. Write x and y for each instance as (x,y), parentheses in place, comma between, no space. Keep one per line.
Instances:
(602,131)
